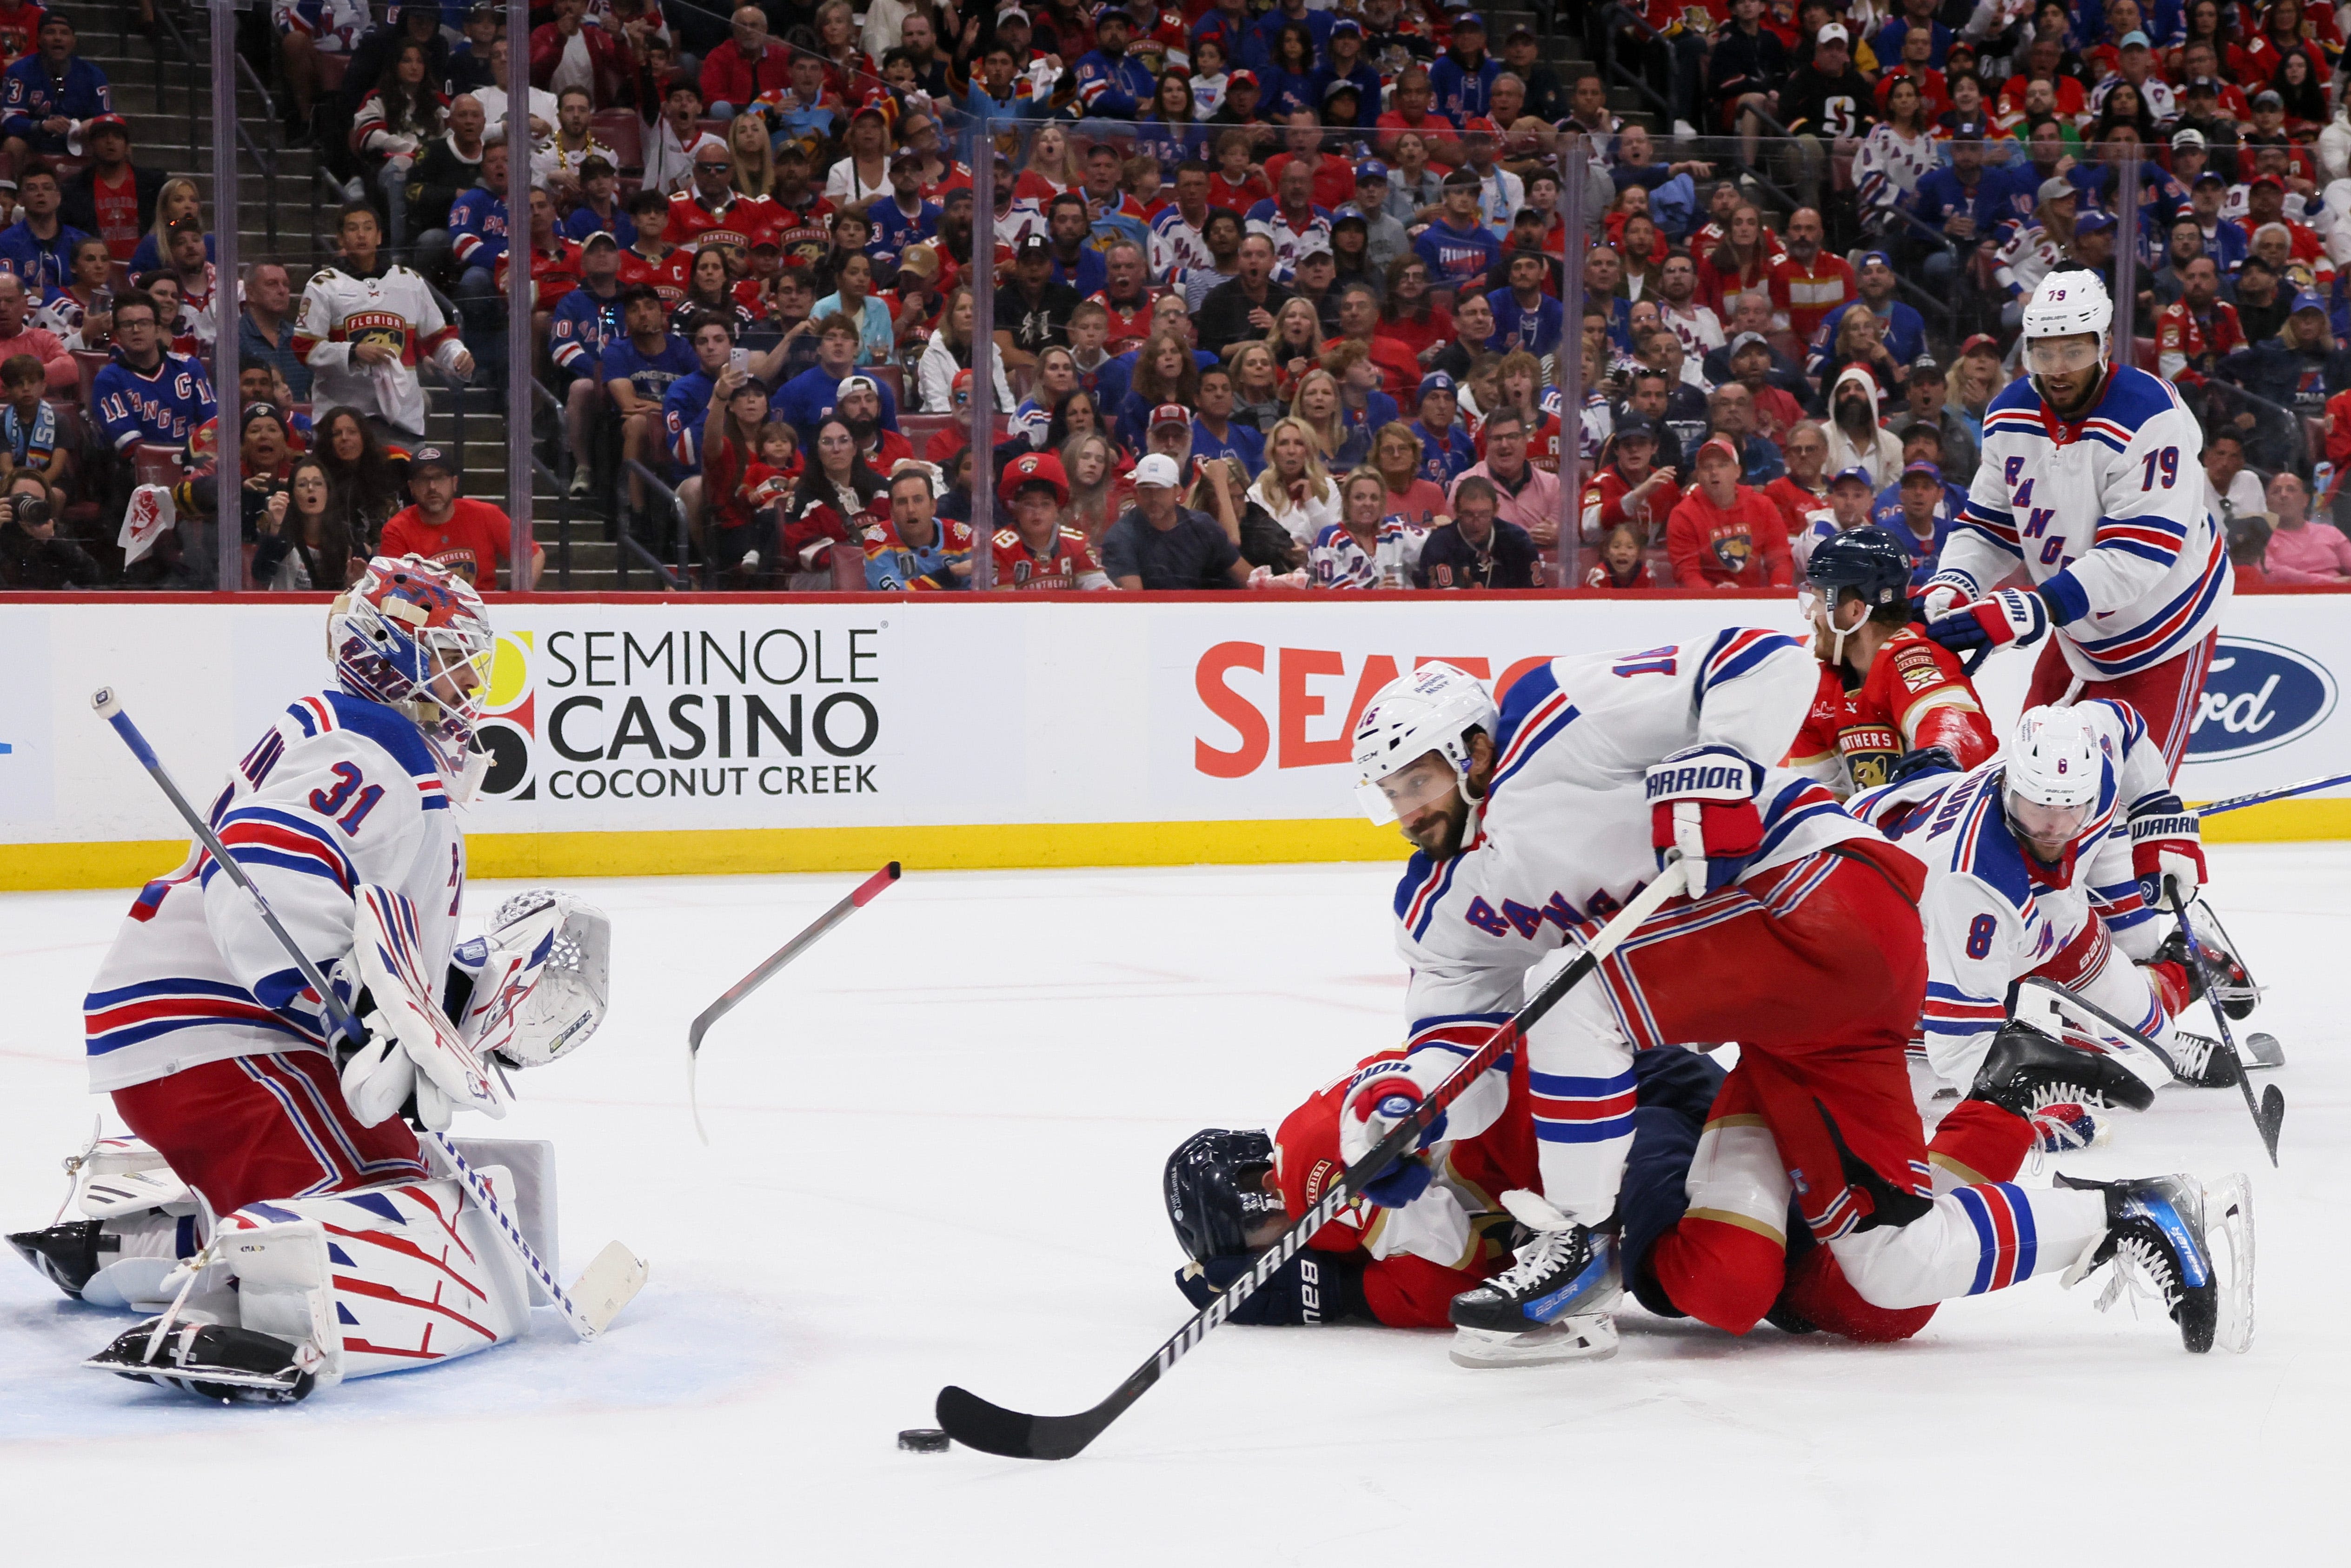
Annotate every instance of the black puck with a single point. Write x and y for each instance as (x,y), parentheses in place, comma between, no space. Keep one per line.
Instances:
(923,1441)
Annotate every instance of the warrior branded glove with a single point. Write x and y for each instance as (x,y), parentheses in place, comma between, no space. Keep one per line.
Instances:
(1383,1096)
(1942,599)
(1702,811)
(1312,1288)
(2167,850)
(2009,617)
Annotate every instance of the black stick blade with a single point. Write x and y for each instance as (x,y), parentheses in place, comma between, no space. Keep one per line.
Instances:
(2269,1118)
(992,1429)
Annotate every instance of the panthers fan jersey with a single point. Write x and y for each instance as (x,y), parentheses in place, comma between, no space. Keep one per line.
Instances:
(1069,564)
(1915,695)
(395,308)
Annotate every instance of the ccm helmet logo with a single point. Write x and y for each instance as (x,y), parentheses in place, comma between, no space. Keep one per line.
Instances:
(1706,779)
(2257,697)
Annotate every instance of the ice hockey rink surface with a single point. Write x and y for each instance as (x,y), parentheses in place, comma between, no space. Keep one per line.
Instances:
(937,1147)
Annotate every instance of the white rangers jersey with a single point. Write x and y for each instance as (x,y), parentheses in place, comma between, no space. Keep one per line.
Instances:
(1991,917)
(1563,838)
(1888,167)
(2107,513)
(340,792)
(2025,259)
(394,308)
(1177,246)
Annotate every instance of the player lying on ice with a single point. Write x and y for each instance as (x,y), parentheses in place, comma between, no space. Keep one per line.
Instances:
(277,1213)
(1533,822)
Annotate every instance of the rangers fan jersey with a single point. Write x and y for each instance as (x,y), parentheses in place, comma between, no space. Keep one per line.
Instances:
(1915,695)
(1562,840)
(394,308)
(339,793)
(1992,916)
(2108,515)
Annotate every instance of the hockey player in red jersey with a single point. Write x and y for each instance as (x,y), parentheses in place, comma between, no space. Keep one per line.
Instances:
(1887,691)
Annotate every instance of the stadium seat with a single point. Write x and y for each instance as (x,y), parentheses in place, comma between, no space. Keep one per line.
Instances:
(89,362)
(331,71)
(152,462)
(918,428)
(623,133)
(893,378)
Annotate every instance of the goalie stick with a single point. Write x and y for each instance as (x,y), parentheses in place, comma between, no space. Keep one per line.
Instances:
(864,894)
(2269,1112)
(611,1279)
(976,1423)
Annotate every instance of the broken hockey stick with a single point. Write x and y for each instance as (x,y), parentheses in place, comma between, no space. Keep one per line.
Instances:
(2269,1112)
(2263,797)
(976,1423)
(864,894)
(616,1274)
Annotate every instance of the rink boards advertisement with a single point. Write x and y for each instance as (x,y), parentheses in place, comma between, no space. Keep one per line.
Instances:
(638,736)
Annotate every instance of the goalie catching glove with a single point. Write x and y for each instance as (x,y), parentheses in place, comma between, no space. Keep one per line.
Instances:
(529,990)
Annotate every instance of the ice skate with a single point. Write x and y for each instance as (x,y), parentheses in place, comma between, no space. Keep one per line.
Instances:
(1555,1304)
(2159,1238)
(236,1366)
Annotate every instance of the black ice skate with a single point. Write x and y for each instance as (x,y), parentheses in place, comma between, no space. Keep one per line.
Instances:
(1552,1304)
(67,1254)
(2197,1059)
(2028,1069)
(2234,988)
(2159,1238)
(236,1366)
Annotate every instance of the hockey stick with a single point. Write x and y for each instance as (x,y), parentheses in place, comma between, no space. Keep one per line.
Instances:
(976,1423)
(864,894)
(2263,797)
(610,1281)
(2269,1113)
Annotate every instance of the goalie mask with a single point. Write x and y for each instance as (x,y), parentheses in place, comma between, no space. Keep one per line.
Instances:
(413,636)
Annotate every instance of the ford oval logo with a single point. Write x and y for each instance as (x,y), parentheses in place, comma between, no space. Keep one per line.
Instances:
(2257,698)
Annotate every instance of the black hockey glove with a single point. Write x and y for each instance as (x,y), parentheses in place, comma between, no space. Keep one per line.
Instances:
(1312,1288)
(1925,759)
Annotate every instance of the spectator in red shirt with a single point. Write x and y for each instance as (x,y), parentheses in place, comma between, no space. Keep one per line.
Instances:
(1724,535)
(565,42)
(114,198)
(1334,177)
(1235,184)
(58,371)
(1808,282)
(750,63)
(554,264)
(470,538)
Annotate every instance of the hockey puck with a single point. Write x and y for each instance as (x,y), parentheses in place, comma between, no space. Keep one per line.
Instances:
(923,1441)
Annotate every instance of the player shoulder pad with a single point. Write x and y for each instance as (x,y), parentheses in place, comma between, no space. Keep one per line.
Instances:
(327,273)
(1418,873)
(2019,393)
(1073,536)
(1915,654)
(2134,397)
(389,728)
(1528,693)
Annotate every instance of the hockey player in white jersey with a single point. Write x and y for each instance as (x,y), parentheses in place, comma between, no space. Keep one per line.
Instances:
(1537,820)
(2089,478)
(249,1149)
(2037,862)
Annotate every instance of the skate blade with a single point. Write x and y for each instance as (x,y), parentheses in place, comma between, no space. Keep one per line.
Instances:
(2228,1239)
(181,1376)
(1590,1336)
(608,1284)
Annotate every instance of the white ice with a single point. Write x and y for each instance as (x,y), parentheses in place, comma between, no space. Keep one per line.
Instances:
(937,1145)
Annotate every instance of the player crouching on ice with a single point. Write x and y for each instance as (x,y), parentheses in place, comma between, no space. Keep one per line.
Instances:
(278,1211)
(1800,939)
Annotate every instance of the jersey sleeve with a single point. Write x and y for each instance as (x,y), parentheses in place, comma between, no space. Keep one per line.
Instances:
(315,325)
(2153,499)
(334,812)
(1752,689)
(1982,545)
(1930,701)
(1972,936)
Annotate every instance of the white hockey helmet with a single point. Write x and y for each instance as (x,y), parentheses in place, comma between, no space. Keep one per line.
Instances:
(2055,779)
(2065,304)
(1432,709)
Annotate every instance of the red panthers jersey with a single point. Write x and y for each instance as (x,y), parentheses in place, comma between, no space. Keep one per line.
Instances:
(1403,1285)
(1022,570)
(743,222)
(668,276)
(1915,695)
(1127,327)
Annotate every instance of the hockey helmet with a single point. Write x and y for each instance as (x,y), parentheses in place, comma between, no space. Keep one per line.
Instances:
(1034,468)
(2058,792)
(1215,1191)
(1867,559)
(413,635)
(2067,303)
(1432,709)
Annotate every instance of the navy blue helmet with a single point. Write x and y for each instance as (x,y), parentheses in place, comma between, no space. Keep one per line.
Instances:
(1867,559)
(1215,1192)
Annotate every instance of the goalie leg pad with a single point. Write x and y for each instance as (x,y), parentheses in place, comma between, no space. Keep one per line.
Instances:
(384,1280)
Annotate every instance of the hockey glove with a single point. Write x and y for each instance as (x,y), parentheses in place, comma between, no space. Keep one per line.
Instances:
(1312,1288)
(1384,1095)
(1923,761)
(1702,811)
(2167,850)
(1941,597)
(2008,617)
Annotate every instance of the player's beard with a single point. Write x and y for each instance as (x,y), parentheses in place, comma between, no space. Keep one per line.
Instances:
(2079,406)
(1438,831)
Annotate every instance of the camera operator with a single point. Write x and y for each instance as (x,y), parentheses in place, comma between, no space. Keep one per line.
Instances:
(31,554)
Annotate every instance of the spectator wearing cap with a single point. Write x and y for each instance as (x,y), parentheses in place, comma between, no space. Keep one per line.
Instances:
(2224,242)
(1825,105)
(2297,369)
(1904,330)
(2037,246)
(1344,61)
(1845,505)
(1724,534)
(903,217)
(807,397)
(1385,237)
(1750,365)
(1032,311)
(1459,251)
(2134,64)
(1463,77)
(1963,202)
(2210,107)
(1920,514)
(47,98)
(2265,205)
(1524,494)
(1161,545)
(112,197)
(1928,407)
(1546,101)
(472,539)
(584,320)
(1445,447)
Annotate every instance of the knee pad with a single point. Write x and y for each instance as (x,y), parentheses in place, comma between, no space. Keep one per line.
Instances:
(1721,1275)
(1820,1293)
(381,1280)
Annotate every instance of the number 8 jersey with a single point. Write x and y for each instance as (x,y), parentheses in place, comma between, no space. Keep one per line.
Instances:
(2108,515)
(339,792)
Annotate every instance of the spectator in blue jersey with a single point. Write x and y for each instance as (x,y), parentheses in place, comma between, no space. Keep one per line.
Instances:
(1258,52)
(901,218)
(600,209)
(1919,515)
(1887,43)
(145,394)
(38,246)
(1463,77)
(1286,84)
(585,320)
(1962,201)
(804,400)
(1458,249)
(1445,450)
(477,231)
(1342,53)
(1076,263)
(1110,84)
(637,371)
(1525,317)
(1905,331)
(1215,431)
(47,97)
(1230,25)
